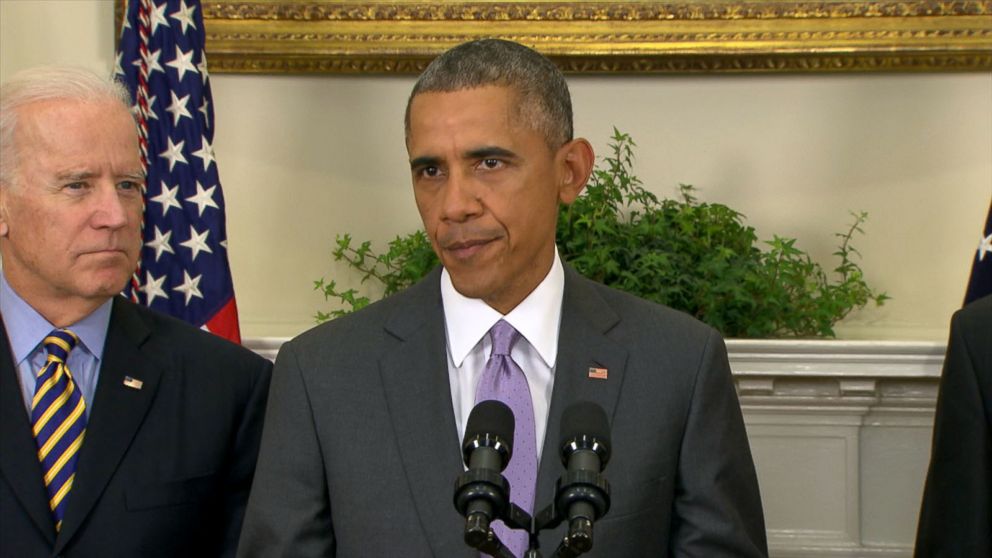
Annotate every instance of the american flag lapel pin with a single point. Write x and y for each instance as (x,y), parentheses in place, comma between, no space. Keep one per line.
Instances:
(598,373)
(133,383)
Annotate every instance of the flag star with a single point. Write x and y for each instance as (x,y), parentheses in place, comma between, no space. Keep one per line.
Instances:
(137,112)
(151,108)
(183,62)
(205,153)
(167,199)
(203,198)
(151,60)
(160,243)
(158,17)
(202,67)
(184,15)
(223,243)
(984,247)
(153,288)
(118,69)
(174,153)
(197,242)
(190,287)
(204,108)
(178,108)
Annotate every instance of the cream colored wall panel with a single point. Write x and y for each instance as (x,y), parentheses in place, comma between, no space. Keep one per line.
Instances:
(894,463)
(795,153)
(34,32)
(788,458)
(329,159)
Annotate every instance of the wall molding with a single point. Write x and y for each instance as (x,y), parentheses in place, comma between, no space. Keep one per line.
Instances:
(840,376)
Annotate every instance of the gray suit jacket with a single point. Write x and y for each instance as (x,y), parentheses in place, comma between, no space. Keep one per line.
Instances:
(360,451)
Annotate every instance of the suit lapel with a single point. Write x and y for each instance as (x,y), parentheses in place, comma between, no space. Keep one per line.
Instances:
(582,344)
(118,412)
(414,372)
(18,452)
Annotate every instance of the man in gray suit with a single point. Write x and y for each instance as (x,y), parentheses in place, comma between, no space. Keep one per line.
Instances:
(361,446)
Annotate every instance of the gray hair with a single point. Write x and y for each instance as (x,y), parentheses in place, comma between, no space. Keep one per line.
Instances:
(544,101)
(45,83)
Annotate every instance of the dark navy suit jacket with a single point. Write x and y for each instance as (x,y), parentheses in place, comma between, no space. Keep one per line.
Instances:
(164,470)
(956,516)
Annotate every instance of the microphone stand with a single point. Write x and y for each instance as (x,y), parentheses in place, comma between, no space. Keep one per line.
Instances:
(494,547)
(582,488)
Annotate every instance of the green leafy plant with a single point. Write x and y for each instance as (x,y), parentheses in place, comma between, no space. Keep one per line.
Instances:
(697,257)
(406,260)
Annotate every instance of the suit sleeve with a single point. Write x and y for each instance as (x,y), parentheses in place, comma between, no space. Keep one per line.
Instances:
(245,452)
(717,510)
(956,515)
(289,511)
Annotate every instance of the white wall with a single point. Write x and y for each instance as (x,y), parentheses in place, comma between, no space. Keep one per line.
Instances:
(303,158)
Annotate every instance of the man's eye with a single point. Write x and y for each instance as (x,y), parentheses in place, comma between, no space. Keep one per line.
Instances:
(491,163)
(129,185)
(431,172)
(75,186)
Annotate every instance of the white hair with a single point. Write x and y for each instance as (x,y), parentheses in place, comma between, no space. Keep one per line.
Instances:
(44,83)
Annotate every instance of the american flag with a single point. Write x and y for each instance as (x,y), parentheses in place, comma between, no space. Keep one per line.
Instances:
(183,269)
(980,283)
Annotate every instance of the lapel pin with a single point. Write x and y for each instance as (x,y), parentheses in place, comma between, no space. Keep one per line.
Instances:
(598,373)
(133,383)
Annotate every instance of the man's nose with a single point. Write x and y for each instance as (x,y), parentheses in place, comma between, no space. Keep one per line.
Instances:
(460,198)
(110,208)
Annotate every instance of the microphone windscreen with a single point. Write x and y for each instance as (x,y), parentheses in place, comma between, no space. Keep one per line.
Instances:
(584,419)
(492,418)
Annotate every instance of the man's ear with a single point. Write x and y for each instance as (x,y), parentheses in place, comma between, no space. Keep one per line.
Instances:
(575,160)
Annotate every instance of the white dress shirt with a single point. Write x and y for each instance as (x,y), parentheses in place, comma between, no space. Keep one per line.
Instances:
(537,318)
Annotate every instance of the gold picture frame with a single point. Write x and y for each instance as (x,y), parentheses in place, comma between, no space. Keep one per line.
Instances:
(400,37)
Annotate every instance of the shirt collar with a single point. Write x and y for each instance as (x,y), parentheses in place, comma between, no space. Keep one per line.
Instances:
(26,328)
(537,317)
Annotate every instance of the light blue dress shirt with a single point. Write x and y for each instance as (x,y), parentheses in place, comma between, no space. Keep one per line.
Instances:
(27,329)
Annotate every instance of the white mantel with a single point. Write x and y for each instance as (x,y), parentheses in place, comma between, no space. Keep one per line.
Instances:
(840,432)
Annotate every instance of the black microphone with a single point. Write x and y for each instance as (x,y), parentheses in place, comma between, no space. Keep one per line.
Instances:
(583,494)
(482,493)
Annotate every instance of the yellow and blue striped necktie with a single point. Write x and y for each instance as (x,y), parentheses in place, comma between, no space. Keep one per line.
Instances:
(58,419)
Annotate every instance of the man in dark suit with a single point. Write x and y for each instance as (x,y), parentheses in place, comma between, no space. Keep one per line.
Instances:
(123,432)
(956,517)
(361,447)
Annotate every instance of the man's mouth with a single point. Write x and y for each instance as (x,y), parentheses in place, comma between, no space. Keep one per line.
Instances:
(463,249)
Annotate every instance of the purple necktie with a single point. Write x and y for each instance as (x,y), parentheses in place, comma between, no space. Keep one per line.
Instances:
(504,381)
